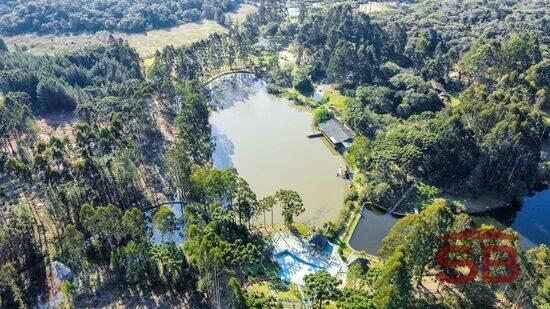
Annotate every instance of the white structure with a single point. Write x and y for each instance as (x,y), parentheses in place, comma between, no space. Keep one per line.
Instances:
(298,258)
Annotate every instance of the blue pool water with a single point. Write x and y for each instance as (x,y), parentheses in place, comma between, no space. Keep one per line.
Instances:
(293,268)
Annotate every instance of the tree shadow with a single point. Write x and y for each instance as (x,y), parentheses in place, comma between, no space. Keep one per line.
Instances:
(479,294)
(227,90)
(224,150)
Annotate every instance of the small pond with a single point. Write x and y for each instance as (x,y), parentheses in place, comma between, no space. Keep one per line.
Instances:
(530,218)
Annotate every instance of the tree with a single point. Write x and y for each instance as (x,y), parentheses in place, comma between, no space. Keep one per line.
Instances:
(194,130)
(8,282)
(379,99)
(354,299)
(292,204)
(134,224)
(342,63)
(257,301)
(237,299)
(302,79)
(164,220)
(102,222)
(393,288)
(321,114)
(54,96)
(245,201)
(172,265)
(417,236)
(321,286)
(136,261)
(74,245)
(267,204)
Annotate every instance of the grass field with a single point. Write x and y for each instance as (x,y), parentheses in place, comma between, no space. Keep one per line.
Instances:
(335,99)
(145,44)
(242,12)
(372,7)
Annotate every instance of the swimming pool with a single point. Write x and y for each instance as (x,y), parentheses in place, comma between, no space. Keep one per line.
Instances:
(293,268)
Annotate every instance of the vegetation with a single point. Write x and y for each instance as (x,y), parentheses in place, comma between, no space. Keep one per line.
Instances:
(86,197)
(321,286)
(66,16)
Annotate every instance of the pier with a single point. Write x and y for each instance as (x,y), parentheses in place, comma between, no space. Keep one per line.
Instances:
(314,134)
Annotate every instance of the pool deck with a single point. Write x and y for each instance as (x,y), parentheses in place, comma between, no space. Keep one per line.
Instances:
(298,258)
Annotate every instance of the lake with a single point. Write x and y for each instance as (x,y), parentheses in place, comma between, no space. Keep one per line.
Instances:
(530,218)
(264,137)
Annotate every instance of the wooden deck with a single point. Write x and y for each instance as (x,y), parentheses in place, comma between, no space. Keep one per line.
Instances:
(314,134)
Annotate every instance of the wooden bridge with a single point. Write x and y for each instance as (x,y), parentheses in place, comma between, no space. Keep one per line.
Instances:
(227,72)
(160,205)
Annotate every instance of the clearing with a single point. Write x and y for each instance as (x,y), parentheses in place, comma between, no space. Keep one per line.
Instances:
(335,99)
(243,11)
(145,43)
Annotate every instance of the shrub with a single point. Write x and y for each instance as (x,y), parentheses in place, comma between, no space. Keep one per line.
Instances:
(321,114)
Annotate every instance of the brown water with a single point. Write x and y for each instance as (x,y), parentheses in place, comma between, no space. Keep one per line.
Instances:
(264,138)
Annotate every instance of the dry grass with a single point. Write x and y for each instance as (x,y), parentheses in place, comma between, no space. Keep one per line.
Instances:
(49,44)
(243,11)
(372,7)
(145,44)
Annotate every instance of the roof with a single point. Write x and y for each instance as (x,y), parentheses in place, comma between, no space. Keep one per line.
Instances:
(362,262)
(319,240)
(336,131)
(438,86)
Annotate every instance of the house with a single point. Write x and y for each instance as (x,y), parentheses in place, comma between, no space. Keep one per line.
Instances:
(443,95)
(339,136)
(362,262)
(319,240)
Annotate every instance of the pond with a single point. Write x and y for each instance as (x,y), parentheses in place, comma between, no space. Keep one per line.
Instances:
(530,218)
(264,137)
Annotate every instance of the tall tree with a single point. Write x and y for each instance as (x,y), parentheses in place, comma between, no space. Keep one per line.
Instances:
(291,204)
(194,131)
(321,286)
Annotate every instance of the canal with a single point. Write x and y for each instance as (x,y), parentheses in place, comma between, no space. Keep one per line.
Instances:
(264,137)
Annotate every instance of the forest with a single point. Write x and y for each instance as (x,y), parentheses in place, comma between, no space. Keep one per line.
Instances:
(449,100)
(70,16)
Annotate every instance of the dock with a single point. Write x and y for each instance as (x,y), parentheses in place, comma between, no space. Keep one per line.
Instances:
(314,134)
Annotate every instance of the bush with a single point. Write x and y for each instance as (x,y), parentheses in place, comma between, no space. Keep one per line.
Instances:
(321,114)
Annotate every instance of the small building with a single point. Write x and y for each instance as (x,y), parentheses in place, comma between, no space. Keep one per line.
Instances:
(319,240)
(339,136)
(361,262)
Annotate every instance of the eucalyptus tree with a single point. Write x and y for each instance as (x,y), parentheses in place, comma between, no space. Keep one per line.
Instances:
(245,202)
(164,220)
(266,204)
(194,130)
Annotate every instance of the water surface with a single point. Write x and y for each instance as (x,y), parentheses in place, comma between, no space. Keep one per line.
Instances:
(264,137)
(530,218)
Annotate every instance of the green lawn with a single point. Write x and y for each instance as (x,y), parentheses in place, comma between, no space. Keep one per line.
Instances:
(268,289)
(335,99)
(262,288)
(244,10)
